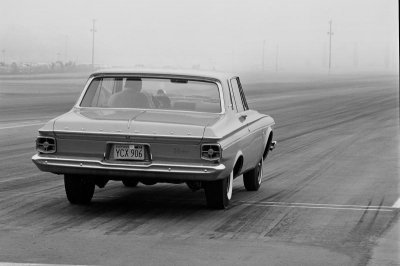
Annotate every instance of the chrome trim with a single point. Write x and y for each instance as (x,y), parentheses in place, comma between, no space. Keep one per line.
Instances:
(149,167)
(232,96)
(130,134)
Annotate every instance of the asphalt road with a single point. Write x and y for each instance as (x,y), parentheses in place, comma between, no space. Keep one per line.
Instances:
(327,196)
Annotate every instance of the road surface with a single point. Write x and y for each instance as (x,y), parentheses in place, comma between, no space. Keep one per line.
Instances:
(328,195)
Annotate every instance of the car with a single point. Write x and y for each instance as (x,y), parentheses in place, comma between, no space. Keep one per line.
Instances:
(153,126)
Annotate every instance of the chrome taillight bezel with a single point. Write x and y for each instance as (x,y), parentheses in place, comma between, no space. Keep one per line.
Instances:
(216,153)
(46,144)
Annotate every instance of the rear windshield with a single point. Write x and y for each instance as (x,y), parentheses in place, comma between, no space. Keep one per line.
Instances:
(153,93)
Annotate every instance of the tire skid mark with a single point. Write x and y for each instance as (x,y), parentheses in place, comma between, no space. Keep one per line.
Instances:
(360,240)
(26,184)
(17,202)
(348,116)
(277,225)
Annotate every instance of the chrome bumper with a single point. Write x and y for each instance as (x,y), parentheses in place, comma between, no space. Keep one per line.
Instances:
(167,171)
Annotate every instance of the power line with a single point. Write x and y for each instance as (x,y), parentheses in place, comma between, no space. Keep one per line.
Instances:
(330,33)
(93,30)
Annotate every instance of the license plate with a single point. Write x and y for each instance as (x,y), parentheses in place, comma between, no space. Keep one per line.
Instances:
(128,152)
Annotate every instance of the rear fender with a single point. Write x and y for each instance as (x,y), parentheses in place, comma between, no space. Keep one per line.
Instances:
(238,157)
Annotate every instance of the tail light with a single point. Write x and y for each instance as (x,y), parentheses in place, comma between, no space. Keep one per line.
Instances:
(211,152)
(46,144)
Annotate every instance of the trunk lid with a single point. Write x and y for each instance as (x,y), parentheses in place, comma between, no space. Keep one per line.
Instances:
(155,123)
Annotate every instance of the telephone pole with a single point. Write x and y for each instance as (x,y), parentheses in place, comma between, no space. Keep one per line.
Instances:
(66,49)
(263,59)
(93,30)
(330,33)
(4,56)
(276,58)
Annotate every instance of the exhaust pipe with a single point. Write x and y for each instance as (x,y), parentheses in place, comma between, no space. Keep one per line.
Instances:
(273,145)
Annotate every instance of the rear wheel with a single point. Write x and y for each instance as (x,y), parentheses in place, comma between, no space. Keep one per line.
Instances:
(219,192)
(130,182)
(253,178)
(79,189)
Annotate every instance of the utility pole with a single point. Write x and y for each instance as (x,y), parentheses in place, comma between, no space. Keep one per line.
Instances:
(276,58)
(66,49)
(93,30)
(355,55)
(4,56)
(263,57)
(330,33)
(233,59)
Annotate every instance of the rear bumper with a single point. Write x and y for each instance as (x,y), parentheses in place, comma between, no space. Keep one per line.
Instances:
(160,171)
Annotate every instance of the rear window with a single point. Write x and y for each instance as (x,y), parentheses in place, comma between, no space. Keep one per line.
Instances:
(153,93)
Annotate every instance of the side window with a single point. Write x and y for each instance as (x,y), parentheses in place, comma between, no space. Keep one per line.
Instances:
(98,93)
(246,107)
(91,92)
(237,95)
(103,93)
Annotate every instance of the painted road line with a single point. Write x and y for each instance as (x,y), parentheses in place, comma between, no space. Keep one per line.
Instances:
(322,204)
(315,206)
(24,125)
(36,264)
(397,204)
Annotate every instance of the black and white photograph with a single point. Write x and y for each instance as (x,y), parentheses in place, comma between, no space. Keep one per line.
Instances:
(260,132)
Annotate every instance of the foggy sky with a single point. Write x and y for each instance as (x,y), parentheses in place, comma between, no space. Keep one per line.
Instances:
(227,35)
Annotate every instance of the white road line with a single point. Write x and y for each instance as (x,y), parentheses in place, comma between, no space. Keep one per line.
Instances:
(24,125)
(318,206)
(397,204)
(36,264)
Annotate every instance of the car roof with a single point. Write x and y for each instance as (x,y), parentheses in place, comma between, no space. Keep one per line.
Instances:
(166,72)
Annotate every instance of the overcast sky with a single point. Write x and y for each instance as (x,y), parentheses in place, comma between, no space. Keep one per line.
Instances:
(227,35)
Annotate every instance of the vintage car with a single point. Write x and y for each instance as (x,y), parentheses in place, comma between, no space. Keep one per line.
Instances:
(157,126)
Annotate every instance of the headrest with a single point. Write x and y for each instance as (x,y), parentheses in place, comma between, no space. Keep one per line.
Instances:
(133,83)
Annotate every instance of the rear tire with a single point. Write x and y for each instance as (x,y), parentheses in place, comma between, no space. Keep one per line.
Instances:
(219,192)
(79,189)
(130,182)
(253,178)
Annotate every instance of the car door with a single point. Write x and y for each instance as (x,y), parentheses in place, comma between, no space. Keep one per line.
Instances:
(256,128)
(245,117)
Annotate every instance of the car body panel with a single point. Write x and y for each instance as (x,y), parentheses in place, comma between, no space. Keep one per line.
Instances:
(85,136)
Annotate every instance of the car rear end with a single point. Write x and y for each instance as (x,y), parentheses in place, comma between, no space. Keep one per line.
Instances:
(160,140)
